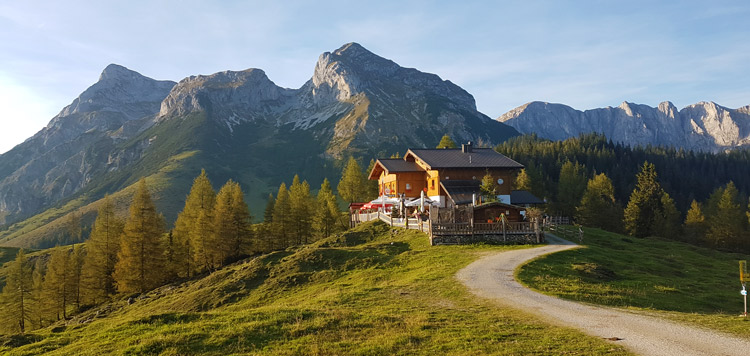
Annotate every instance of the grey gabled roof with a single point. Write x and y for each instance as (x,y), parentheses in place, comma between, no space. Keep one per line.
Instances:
(399,165)
(461,191)
(522,197)
(455,158)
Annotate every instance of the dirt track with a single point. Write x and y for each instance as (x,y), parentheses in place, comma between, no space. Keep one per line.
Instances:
(492,277)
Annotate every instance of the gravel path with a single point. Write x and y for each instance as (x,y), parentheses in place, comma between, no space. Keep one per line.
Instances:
(492,277)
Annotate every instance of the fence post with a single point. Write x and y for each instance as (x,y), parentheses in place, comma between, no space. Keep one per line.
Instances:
(505,239)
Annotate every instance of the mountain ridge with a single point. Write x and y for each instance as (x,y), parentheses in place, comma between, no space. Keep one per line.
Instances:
(704,126)
(235,124)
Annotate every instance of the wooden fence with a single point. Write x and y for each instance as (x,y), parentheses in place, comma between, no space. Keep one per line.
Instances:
(504,233)
(447,232)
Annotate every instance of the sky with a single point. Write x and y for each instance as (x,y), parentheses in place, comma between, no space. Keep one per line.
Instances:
(585,54)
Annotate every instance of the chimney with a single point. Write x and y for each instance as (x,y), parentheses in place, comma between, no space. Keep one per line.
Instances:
(466,147)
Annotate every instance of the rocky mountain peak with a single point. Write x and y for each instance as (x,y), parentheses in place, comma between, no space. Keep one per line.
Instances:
(226,91)
(120,90)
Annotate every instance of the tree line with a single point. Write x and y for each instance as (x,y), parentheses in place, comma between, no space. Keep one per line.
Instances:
(717,215)
(138,253)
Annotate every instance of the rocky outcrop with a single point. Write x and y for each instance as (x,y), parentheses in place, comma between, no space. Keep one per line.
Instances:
(705,126)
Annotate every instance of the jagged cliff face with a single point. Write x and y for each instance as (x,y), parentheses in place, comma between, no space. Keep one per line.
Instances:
(705,126)
(65,156)
(238,123)
(355,101)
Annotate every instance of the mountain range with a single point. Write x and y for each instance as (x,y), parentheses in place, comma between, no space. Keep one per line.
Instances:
(236,124)
(240,125)
(705,126)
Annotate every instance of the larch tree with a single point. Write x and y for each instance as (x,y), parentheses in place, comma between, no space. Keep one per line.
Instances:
(371,186)
(268,212)
(726,224)
(646,208)
(351,187)
(17,294)
(101,254)
(446,142)
(488,188)
(281,216)
(695,222)
(598,207)
(570,188)
(242,228)
(264,235)
(37,298)
(232,229)
(140,261)
(523,181)
(73,279)
(300,210)
(669,226)
(202,198)
(326,211)
(73,228)
(205,248)
(55,285)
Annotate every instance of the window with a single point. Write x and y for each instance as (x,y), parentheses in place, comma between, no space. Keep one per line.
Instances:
(408,187)
(432,184)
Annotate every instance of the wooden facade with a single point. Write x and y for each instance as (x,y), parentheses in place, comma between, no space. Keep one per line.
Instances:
(425,169)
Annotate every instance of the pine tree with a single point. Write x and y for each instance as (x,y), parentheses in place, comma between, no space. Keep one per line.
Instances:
(281,216)
(16,295)
(726,225)
(446,142)
(695,222)
(570,188)
(300,210)
(55,285)
(326,211)
(351,187)
(202,197)
(140,261)
(645,208)
(101,254)
(598,207)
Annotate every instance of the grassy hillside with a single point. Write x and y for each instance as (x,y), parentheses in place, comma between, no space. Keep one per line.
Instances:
(364,292)
(691,283)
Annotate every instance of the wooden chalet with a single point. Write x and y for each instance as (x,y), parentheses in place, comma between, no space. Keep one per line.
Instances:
(452,179)
(448,176)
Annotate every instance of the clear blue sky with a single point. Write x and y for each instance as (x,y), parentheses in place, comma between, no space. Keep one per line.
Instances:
(582,53)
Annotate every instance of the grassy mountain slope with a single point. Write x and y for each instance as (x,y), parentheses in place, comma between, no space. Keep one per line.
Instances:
(692,283)
(363,292)
(177,150)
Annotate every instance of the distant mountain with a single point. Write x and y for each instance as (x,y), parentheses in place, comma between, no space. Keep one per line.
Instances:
(73,149)
(705,126)
(237,125)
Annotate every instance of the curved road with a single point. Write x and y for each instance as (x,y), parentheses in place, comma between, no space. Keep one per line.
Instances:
(493,277)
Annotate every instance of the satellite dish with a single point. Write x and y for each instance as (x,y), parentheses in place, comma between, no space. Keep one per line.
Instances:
(500,181)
